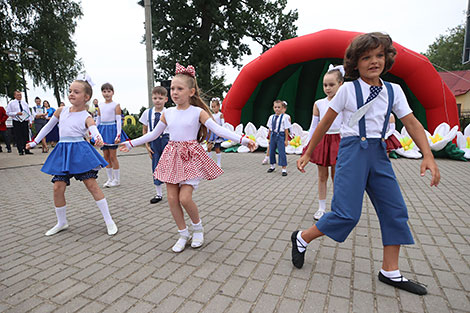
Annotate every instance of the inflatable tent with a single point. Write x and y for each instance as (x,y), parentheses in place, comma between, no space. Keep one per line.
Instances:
(293,71)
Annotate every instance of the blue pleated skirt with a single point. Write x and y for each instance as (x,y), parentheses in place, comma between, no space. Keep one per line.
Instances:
(108,132)
(73,158)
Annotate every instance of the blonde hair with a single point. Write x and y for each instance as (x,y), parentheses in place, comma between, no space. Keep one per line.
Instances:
(198,102)
(87,87)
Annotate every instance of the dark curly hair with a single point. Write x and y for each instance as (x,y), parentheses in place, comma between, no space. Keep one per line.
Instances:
(364,43)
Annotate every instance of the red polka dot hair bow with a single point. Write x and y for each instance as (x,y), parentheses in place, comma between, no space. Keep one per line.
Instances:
(180,69)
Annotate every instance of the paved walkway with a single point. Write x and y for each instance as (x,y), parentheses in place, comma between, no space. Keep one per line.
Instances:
(245,264)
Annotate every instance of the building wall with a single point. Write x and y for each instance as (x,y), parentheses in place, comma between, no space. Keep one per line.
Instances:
(464,101)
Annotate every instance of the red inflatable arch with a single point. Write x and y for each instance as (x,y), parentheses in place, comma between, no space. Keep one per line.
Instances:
(420,81)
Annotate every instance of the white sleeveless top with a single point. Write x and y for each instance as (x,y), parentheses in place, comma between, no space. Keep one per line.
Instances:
(323,105)
(217,118)
(72,124)
(183,125)
(108,111)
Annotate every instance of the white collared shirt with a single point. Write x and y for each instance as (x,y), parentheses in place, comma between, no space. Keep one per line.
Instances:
(13,108)
(285,123)
(345,101)
(144,118)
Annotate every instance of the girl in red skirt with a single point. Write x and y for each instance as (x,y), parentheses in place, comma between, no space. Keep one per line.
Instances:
(326,151)
(184,162)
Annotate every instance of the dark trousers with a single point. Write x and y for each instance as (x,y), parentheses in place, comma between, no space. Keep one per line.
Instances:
(6,138)
(21,132)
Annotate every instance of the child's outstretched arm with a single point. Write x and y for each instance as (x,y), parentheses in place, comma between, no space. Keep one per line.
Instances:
(126,146)
(320,131)
(224,132)
(45,130)
(416,131)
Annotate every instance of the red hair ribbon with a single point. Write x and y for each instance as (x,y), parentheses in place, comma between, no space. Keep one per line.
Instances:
(180,69)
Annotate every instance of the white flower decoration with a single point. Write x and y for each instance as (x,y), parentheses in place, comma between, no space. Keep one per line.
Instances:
(443,134)
(409,149)
(296,145)
(250,131)
(238,130)
(463,141)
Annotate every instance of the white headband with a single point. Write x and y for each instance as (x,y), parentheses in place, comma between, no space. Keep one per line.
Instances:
(215,99)
(340,68)
(285,102)
(84,76)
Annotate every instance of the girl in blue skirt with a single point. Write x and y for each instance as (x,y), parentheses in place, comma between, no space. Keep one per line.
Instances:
(362,163)
(74,156)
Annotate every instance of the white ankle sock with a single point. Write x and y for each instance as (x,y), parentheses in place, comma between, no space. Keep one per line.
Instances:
(103,206)
(393,275)
(301,242)
(209,154)
(184,232)
(219,158)
(61,215)
(116,174)
(322,205)
(284,170)
(273,166)
(109,172)
(198,231)
(158,189)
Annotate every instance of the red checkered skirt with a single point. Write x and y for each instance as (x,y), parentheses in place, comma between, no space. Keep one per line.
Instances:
(392,143)
(184,160)
(326,151)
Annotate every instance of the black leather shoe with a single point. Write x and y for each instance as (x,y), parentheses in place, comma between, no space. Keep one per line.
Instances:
(9,151)
(410,286)
(284,173)
(156,199)
(270,170)
(28,152)
(297,257)
(21,153)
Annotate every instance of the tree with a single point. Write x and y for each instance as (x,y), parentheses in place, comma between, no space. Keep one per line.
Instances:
(46,26)
(212,33)
(446,51)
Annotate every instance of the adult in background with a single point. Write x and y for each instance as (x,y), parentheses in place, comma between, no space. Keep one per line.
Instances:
(3,129)
(40,114)
(22,119)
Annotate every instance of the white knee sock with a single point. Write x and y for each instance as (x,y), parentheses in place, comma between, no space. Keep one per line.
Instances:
(61,215)
(219,158)
(393,275)
(116,174)
(158,188)
(301,242)
(322,205)
(103,206)
(109,172)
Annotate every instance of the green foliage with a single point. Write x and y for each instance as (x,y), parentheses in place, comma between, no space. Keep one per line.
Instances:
(212,33)
(446,52)
(46,26)
(133,131)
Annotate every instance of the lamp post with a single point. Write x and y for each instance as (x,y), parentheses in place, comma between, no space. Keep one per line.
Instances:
(149,48)
(17,55)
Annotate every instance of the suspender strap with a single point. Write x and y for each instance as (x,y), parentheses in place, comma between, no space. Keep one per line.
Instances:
(150,120)
(279,126)
(362,121)
(391,97)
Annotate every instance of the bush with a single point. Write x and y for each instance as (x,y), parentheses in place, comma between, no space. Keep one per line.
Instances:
(133,131)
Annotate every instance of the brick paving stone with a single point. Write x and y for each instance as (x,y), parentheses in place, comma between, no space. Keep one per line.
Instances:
(244,265)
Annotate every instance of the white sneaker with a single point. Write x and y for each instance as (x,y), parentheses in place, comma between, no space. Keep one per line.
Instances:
(106,184)
(114,183)
(181,244)
(112,229)
(54,230)
(318,214)
(198,238)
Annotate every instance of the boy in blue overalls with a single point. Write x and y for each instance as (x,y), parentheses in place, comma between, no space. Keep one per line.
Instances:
(278,125)
(362,163)
(149,119)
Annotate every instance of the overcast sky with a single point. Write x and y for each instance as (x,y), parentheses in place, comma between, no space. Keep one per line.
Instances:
(109,36)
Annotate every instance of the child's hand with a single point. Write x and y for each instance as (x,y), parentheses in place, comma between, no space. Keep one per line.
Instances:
(430,164)
(28,146)
(125,146)
(252,145)
(302,162)
(117,139)
(150,152)
(99,142)
(286,142)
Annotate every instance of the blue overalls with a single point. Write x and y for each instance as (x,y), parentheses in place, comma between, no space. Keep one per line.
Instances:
(277,141)
(363,165)
(157,145)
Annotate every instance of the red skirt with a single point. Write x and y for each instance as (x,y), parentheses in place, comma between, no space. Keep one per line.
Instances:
(184,160)
(392,143)
(326,151)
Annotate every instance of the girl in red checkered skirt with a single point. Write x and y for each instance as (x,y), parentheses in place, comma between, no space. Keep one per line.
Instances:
(184,162)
